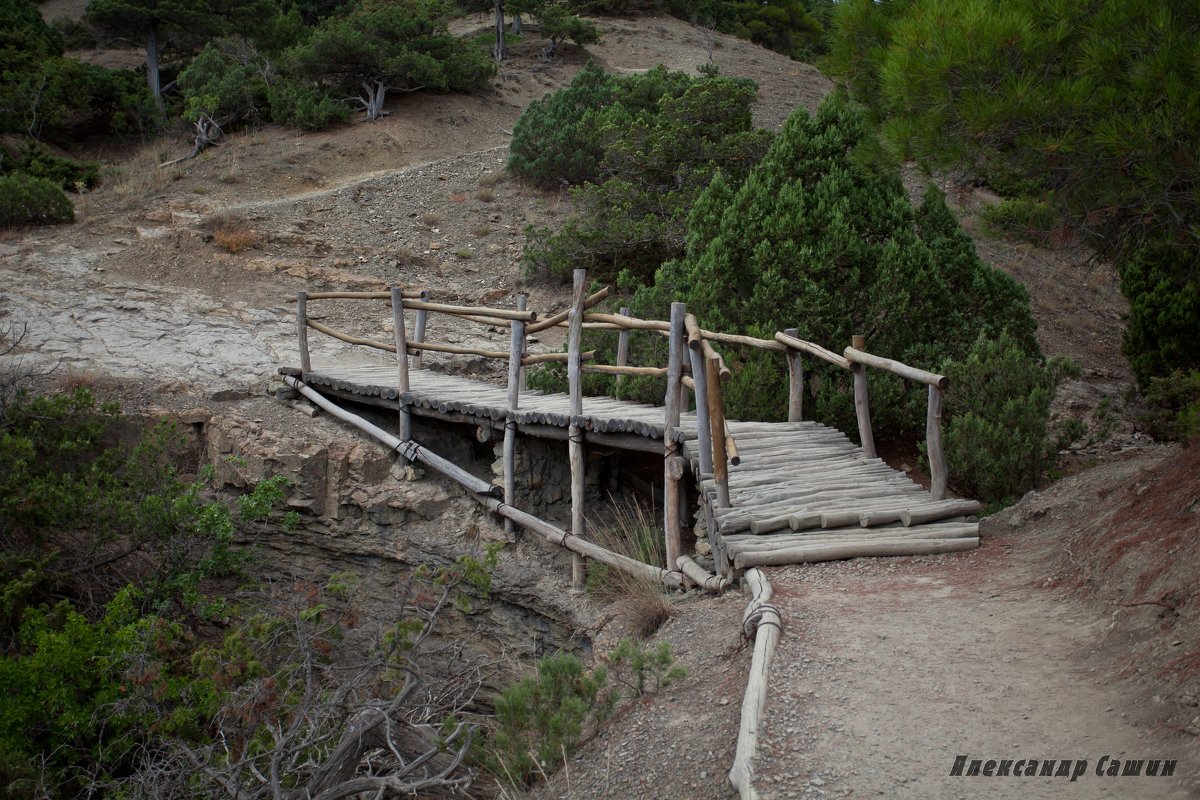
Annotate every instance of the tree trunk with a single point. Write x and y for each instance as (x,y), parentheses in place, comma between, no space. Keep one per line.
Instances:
(152,76)
(498,49)
(376,95)
(515,27)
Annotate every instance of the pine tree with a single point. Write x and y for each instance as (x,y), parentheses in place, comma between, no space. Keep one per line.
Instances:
(1091,108)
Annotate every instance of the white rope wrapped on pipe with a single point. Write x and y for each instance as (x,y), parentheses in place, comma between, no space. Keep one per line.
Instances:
(763,623)
(407,448)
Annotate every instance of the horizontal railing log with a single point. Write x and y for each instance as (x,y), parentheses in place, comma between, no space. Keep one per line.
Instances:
(896,368)
(350,338)
(477,311)
(613,369)
(407,294)
(550,358)
(561,317)
(812,349)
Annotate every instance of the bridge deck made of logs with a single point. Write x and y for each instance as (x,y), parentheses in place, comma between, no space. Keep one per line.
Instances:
(802,491)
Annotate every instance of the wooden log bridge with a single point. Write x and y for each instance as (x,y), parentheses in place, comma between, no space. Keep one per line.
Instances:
(769,493)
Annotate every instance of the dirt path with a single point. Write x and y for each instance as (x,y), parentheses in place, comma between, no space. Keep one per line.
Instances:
(890,669)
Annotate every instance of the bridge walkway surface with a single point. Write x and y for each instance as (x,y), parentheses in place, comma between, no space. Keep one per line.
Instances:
(802,491)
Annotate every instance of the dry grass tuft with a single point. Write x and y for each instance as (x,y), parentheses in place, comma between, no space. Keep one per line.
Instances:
(481,231)
(485,195)
(78,378)
(490,179)
(231,233)
(458,197)
(140,175)
(430,220)
(640,603)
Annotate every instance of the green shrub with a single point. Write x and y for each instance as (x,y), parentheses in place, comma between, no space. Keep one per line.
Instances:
(226,81)
(1162,335)
(657,140)
(83,696)
(540,719)
(643,669)
(1030,219)
(552,141)
(817,240)
(26,200)
(1174,405)
(1089,105)
(302,107)
(35,160)
(998,438)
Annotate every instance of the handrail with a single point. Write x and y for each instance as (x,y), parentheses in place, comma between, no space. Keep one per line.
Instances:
(693,364)
(812,349)
(481,311)
(561,317)
(897,368)
(407,294)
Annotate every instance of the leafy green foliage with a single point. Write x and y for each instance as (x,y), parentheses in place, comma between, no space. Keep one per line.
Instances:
(33,159)
(26,200)
(643,669)
(1174,406)
(1089,108)
(83,695)
(227,81)
(819,239)
(375,49)
(540,719)
(1162,283)
(557,22)
(303,107)
(646,146)
(68,487)
(998,441)
(1029,219)
(815,240)
(786,26)
(552,141)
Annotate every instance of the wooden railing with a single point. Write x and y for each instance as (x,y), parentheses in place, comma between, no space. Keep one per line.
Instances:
(693,363)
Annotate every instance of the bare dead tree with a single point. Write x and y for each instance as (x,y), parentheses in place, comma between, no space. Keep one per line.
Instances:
(16,372)
(315,725)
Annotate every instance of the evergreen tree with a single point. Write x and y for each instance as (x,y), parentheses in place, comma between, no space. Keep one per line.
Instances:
(154,22)
(817,239)
(1089,107)
(376,49)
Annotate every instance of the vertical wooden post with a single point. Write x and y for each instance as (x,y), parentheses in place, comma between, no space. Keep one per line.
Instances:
(795,380)
(862,407)
(419,329)
(302,331)
(703,427)
(575,437)
(716,421)
(516,351)
(672,469)
(405,431)
(938,474)
(622,346)
(522,303)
